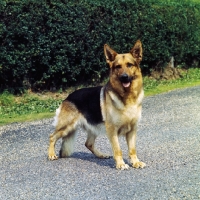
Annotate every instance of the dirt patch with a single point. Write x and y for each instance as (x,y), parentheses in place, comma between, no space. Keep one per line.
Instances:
(167,73)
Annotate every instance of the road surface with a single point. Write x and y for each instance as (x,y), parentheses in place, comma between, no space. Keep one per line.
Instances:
(168,142)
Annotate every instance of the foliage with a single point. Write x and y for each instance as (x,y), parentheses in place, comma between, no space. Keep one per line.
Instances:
(55,43)
(6,99)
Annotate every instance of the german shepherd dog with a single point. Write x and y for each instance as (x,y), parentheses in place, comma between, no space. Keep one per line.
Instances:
(114,108)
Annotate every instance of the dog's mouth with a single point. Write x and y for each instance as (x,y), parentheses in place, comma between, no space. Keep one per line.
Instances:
(126,80)
(126,85)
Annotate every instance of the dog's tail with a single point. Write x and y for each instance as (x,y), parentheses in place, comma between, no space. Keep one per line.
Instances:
(67,147)
(55,122)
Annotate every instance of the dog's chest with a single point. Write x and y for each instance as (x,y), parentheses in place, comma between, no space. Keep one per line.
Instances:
(126,115)
(120,113)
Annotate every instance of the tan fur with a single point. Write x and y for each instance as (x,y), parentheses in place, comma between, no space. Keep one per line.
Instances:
(123,105)
(120,106)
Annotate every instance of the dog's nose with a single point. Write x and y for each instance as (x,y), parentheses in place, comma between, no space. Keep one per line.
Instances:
(124,77)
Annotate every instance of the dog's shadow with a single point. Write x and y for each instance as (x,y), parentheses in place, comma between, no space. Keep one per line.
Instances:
(106,162)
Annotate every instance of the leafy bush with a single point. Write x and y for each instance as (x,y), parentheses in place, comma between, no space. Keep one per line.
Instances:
(6,99)
(54,43)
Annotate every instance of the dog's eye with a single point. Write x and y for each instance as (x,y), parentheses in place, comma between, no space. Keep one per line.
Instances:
(118,67)
(129,65)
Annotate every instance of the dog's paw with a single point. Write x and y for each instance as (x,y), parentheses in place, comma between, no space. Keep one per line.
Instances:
(104,156)
(52,157)
(122,166)
(139,165)
(99,154)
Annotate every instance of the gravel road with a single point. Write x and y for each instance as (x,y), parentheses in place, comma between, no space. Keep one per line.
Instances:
(168,142)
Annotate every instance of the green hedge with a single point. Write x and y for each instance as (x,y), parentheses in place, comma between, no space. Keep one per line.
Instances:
(47,44)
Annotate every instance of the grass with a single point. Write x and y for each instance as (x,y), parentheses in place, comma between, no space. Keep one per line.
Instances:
(189,79)
(30,106)
(27,107)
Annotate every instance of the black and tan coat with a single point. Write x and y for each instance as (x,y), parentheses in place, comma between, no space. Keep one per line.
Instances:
(114,109)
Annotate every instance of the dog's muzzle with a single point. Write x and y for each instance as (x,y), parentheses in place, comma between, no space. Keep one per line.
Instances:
(125,80)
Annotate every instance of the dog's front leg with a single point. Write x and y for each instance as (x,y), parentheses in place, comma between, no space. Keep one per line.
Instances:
(117,152)
(131,142)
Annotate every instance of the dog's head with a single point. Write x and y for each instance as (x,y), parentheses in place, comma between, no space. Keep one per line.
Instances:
(124,67)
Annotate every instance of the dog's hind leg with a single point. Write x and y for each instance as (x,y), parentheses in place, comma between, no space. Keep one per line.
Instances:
(66,122)
(67,147)
(90,145)
(52,141)
(65,132)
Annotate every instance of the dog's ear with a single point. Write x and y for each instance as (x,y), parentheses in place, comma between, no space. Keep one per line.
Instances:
(136,51)
(109,53)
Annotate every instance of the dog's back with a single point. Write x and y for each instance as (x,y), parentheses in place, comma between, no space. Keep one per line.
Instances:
(87,101)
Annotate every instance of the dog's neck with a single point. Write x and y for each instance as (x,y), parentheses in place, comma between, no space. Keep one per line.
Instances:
(127,95)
